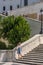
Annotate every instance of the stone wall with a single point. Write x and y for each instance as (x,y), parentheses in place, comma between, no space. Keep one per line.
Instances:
(8,55)
(33,15)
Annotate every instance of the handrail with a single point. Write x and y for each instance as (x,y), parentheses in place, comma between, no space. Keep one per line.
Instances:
(30,40)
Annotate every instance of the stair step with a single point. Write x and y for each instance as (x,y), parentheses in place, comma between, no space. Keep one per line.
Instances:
(34,55)
(35,61)
(34,58)
(31,62)
(33,52)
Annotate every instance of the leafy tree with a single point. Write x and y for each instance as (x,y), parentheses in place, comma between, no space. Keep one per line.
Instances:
(15,29)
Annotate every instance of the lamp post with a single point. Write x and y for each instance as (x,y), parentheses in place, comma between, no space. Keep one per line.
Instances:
(41,20)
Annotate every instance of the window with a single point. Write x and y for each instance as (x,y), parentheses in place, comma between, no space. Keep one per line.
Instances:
(3,8)
(17,6)
(3,0)
(10,7)
(25,2)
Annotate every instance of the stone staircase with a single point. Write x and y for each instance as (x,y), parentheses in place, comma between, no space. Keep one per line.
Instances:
(35,57)
(32,51)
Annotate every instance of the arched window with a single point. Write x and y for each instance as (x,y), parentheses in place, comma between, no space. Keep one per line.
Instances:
(25,2)
(11,7)
(4,8)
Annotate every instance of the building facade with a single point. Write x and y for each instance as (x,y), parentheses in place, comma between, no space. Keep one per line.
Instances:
(8,5)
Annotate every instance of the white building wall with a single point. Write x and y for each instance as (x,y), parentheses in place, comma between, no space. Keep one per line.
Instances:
(14,3)
(7,4)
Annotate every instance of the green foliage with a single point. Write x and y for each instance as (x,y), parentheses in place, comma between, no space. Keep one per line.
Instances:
(2,45)
(10,47)
(0,18)
(15,29)
(0,25)
(7,25)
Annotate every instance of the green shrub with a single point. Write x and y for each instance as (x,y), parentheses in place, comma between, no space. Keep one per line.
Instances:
(10,47)
(2,46)
(15,29)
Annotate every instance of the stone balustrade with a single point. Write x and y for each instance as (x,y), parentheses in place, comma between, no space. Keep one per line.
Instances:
(30,44)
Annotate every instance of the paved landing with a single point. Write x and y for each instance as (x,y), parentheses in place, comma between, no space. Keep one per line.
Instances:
(11,63)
